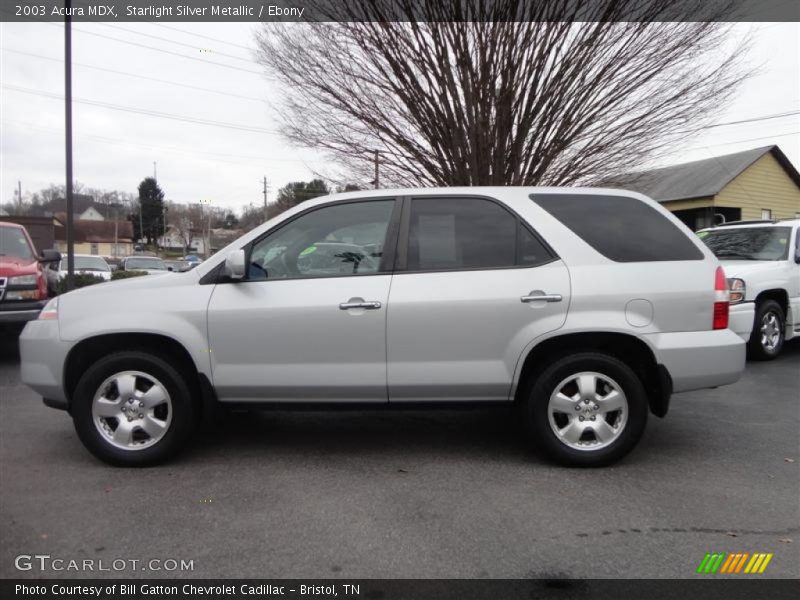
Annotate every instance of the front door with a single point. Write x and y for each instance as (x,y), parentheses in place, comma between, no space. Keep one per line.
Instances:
(473,286)
(309,322)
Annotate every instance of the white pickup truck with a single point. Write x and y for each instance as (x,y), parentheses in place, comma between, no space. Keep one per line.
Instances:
(762,262)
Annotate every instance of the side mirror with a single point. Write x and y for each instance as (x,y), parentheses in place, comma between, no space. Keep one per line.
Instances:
(235,265)
(50,256)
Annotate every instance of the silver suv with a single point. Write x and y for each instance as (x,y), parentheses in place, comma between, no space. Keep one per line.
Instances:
(587,308)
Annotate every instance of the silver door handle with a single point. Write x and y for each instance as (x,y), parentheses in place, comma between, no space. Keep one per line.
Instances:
(372,305)
(539,296)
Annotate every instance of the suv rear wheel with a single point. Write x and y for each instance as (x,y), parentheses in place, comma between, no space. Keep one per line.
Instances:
(587,410)
(766,340)
(133,409)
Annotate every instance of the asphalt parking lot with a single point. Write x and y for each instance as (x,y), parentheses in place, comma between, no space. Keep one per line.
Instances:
(413,494)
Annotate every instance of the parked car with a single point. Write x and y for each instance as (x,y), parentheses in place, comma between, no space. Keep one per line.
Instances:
(23,284)
(762,260)
(149,264)
(178,266)
(587,308)
(82,263)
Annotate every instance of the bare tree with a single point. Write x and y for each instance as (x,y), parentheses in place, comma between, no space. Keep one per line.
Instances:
(501,92)
(186,220)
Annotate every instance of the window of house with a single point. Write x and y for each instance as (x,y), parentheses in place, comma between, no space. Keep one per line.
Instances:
(766,213)
(468,233)
(332,241)
(94,248)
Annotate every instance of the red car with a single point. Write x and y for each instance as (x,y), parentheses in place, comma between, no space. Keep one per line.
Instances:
(23,284)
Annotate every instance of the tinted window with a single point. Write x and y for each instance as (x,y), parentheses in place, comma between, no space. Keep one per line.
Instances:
(333,241)
(463,233)
(531,251)
(620,228)
(748,243)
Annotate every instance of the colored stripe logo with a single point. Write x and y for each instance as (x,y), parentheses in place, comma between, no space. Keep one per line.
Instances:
(734,563)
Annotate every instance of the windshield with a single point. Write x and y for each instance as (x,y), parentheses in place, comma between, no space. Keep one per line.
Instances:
(145,263)
(748,243)
(87,263)
(14,243)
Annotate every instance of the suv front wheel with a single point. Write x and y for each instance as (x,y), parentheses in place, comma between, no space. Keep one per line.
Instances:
(587,410)
(766,340)
(132,409)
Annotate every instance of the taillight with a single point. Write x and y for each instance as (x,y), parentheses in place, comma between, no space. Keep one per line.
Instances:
(721,300)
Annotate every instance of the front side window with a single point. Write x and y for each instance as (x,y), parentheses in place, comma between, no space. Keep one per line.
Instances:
(468,233)
(333,241)
(748,243)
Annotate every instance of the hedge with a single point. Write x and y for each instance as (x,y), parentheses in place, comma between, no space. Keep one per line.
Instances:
(126,274)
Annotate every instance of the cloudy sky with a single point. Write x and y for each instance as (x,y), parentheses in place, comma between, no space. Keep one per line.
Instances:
(203,109)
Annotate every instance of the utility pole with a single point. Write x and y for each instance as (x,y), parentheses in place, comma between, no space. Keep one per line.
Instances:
(377,170)
(155,172)
(68,131)
(266,205)
(19,194)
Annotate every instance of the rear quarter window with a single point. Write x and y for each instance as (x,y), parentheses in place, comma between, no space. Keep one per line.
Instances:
(621,228)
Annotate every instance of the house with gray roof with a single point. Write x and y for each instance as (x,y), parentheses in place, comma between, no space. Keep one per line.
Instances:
(755,184)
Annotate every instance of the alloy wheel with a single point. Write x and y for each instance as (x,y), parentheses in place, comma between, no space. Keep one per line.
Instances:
(132,410)
(588,411)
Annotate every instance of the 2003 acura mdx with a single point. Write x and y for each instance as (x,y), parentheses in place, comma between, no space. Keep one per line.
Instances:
(586,307)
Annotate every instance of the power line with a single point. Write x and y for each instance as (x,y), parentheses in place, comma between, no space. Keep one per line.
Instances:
(208,37)
(169,41)
(750,120)
(127,74)
(149,113)
(173,149)
(208,62)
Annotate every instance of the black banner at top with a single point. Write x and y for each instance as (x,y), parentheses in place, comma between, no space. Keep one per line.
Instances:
(401,10)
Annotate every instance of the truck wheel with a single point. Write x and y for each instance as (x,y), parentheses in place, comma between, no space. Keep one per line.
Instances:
(133,409)
(766,340)
(587,410)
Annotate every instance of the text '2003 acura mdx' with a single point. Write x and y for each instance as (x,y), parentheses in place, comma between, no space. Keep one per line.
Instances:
(586,307)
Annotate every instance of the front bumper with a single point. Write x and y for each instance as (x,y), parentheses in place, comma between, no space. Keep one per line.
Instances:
(20,311)
(699,359)
(742,316)
(42,354)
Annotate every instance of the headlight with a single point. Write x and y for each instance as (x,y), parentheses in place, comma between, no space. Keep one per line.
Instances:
(50,311)
(22,295)
(737,290)
(22,280)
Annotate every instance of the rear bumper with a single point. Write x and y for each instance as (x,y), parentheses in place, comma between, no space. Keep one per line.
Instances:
(741,319)
(699,359)
(42,355)
(19,311)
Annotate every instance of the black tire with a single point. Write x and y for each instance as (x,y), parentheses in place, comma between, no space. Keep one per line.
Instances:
(182,417)
(757,349)
(538,397)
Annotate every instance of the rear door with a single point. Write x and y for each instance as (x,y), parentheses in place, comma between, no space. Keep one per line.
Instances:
(473,285)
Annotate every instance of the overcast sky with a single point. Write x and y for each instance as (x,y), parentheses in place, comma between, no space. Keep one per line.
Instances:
(115,149)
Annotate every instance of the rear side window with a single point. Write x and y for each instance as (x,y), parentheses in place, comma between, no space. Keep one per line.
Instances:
(468,233)
(620,228)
